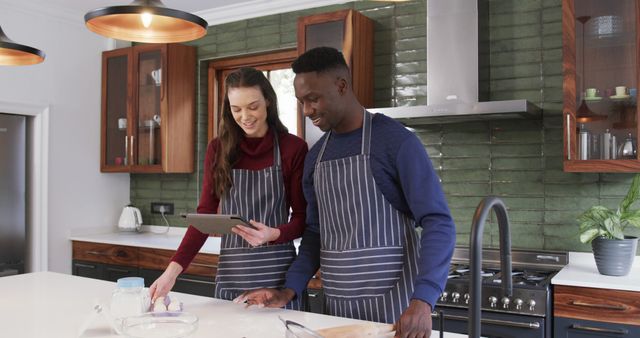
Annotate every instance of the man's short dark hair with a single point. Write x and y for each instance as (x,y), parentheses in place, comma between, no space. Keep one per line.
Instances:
(319,59)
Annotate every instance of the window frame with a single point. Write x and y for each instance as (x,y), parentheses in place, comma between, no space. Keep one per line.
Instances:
(217,69)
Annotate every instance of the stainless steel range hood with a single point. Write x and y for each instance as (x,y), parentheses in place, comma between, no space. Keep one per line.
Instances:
(458,69)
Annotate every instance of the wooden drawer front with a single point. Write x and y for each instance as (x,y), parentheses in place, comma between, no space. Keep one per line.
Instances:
(105,253)
(610,306)
(158,259)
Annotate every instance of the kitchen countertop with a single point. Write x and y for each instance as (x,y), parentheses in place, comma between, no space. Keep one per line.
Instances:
(48,304)
(582,271)
(149,238)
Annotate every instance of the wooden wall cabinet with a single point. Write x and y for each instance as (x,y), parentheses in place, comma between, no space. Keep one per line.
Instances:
(589,312)
(600,81)
(110,262)
(148,109)
(351,33)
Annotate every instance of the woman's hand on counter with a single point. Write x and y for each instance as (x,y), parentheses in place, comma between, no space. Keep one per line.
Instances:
(266,297)
(164,283)
(260,235)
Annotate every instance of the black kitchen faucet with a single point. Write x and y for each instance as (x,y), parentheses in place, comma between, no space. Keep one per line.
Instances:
(475,257)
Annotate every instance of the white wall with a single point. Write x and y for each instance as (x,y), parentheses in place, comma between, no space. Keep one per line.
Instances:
(79,196)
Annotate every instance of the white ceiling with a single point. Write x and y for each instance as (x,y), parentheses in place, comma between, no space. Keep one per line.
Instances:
(191,6)
(213,11)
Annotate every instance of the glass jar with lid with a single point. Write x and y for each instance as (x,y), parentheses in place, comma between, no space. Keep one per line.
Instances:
(129,299)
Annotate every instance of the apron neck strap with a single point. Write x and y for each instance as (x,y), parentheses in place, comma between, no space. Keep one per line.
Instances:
(277,160)
(366,136)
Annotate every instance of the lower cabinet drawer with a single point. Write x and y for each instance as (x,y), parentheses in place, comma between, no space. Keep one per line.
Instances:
(576,328)
(195,285)
(599,305)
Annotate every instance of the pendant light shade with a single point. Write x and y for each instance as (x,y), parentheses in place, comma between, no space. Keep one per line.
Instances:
(15,54)
(146,21)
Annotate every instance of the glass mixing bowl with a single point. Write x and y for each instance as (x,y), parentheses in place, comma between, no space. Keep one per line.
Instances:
(160,325)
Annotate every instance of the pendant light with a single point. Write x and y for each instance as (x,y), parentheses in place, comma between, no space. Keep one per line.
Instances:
(146,21)
(15,54)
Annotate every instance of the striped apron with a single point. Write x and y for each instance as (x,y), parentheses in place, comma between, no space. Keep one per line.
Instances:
(258,195)
(369,249)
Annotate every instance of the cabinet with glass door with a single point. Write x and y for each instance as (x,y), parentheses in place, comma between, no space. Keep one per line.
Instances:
(148,109)
(600,80)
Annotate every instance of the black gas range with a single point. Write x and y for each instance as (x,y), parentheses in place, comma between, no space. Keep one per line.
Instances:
(526,314)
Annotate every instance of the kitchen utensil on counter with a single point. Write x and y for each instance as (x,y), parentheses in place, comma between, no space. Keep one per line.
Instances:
(130,219)
(296,330)
(160,325)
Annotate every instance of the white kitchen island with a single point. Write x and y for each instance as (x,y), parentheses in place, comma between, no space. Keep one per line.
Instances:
(47,304)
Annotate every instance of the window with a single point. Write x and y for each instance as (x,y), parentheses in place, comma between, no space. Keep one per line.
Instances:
(276,67)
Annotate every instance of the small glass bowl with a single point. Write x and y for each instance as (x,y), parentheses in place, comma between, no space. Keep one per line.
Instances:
(160,325)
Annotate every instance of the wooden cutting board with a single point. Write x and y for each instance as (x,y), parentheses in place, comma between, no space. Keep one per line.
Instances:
(368,330)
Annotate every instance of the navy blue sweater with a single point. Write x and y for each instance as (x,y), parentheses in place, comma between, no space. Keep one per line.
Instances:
(403,172)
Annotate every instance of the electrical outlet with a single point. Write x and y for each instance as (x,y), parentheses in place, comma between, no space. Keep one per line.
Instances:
(168,208)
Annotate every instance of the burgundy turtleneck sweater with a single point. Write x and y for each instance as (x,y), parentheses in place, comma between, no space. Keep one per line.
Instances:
(255,154)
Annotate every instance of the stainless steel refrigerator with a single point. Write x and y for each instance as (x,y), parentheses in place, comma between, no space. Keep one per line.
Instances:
(12,194)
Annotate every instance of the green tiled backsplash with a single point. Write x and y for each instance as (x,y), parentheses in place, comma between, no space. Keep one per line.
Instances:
(518,160)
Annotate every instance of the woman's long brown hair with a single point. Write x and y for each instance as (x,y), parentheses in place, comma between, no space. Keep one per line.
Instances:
(230,133)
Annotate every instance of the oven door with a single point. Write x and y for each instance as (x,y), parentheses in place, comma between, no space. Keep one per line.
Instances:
(493,325)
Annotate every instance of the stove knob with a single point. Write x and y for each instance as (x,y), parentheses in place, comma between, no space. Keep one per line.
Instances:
(466,298)
(505,302)
(532,305)
(519,303)
(492,301)
(455,297)
(443,296)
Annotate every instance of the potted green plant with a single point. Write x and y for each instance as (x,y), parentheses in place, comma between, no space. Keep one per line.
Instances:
(605,229)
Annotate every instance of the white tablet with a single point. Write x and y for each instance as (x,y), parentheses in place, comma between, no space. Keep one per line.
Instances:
(216,223)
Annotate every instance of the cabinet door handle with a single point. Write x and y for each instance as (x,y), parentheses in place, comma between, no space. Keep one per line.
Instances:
(194,281)
(121,253)
(598,329)
(126,151)
(498,322)
(132,149)
(80,265)
(118,270)
(96,253)
(615,307)
(568,136)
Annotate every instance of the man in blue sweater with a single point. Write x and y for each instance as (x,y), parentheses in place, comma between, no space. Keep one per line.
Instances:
(368,183)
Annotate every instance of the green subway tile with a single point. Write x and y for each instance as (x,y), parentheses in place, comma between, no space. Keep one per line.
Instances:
(562,216)
(578,204)
(465,163)
(516,7)
(411,7)
(433,151)
(413,19)
(261,42)
(411,32)
(465,138)
(411,68)
(552,67)
(515,71)
(573,189)
(467,127)
(377,11)
(563,230)
(473,175)
(428,136)
(515,32)
(515,58)
(552,4)
(516,136)
(625,178)
(552,28)
(552,54)
(552,42)
(531,44)
(410,79)
(515,176)
(173,194)
(265,30)
(229,47)
(502,150)
(411,55)
(148,184)
(553,149)
(565,244)
(466,189)
(232,26)
(614,188)
(517,188)
(463,202)
(508,19)
(384,24)
(411,44)
(516,84)
(512,163)
(469,150)
(264,21)
(531,95)
(523,202)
